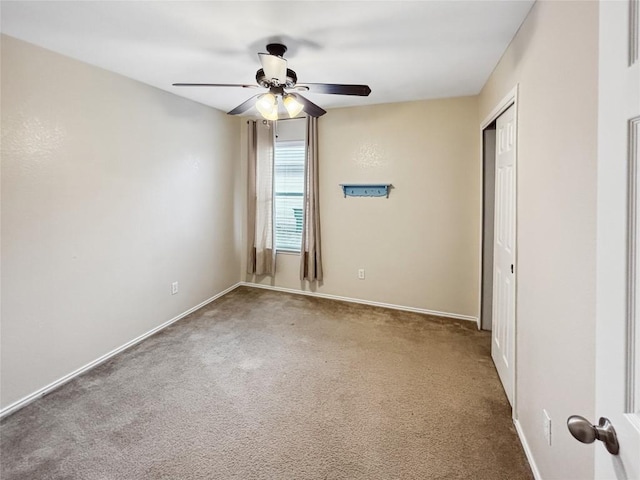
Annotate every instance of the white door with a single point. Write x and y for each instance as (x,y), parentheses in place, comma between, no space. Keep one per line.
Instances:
(618,243)
(504,285)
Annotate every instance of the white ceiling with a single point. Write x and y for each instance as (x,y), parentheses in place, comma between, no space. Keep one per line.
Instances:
(404,50)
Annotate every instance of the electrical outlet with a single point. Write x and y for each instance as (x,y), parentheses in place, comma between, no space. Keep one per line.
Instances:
(546,426)
(361,273)
(174,288)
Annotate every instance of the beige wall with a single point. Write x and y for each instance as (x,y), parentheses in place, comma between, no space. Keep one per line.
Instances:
(111,190)
(554,59)
(420,246)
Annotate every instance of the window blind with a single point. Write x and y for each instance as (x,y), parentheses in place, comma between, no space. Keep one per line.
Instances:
(288,189)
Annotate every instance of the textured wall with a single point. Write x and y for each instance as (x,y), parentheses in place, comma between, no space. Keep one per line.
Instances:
(111,190)
(419,247)
(557,155)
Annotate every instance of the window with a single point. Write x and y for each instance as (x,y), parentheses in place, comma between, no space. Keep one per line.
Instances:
(288,194)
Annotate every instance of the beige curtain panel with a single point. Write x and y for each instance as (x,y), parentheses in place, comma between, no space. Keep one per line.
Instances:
(261,255)
(310,254)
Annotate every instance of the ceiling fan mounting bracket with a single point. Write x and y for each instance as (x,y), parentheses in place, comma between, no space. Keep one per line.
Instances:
(276,49)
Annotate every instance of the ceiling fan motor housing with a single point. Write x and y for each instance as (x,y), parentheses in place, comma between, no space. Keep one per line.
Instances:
(265,82)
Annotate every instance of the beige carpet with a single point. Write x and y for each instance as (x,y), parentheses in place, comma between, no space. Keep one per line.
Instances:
(267,385)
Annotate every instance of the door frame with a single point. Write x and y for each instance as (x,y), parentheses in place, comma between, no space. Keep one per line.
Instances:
(507,101)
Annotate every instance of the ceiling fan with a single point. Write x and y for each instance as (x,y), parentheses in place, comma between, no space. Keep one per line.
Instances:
(280,80)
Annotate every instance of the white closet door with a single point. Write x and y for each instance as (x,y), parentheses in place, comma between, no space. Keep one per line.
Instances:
(504,279)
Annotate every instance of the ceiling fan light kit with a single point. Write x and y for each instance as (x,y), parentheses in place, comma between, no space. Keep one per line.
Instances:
(292,105)
(267,105)
(275,76)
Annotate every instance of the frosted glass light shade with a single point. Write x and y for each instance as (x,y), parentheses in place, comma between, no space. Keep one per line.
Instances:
(267,105)
(293,106)
(272,114)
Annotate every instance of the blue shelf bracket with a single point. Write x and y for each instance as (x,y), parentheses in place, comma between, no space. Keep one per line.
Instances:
(366,190)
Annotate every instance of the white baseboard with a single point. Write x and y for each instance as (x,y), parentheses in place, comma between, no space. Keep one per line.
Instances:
(364,302)
(23,402)
(527,450)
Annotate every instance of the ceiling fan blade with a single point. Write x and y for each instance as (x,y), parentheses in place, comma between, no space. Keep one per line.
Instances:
(309,108)
(337,89)
(213,85)
(244,106)
(274,67)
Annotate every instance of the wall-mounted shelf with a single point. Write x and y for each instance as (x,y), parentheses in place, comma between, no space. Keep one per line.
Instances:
(366,189)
